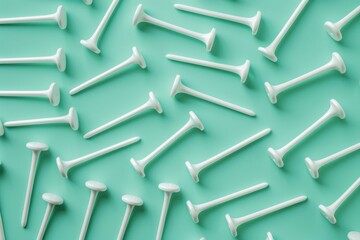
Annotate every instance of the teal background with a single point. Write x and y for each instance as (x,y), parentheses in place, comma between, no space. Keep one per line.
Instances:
(305,47)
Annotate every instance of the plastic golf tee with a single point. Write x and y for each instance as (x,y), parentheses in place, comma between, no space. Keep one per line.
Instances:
(95,188)
(241,70)
(179,87)
(193,122)
(2,132)
(52,201)
(336,63)
(59,17)
(88,2)
(195,169)
(53,94)
(252,22)
(131,202)
(92,42)
(270,50)
(314,165)
(169,189)
(207,38)
(135,58)
(334,29)
(2,233)
(59,59)
(234,223)
(152,103)
(195,210)
(71,118)
(335,110)
(269,236)
(36,148)
(353,235)
(65,166)
(329,211)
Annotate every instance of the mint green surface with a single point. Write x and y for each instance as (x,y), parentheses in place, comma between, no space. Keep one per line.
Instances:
(306,47)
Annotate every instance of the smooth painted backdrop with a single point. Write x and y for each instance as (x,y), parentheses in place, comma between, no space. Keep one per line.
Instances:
(305,47)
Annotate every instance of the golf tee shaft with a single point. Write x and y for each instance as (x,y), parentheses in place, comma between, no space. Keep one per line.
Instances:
(45,221)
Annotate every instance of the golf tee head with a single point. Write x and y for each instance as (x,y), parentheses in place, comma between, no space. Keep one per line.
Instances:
(193,211)
(333,30)
(73,119)
(276,157)
(60,60)
(328,213)
(269,52)
(88,2)
(91,44)
(338,62)
(61,17)
(353,235)
(312,167)
(193,171)
(232,225)
(62,166)
(2,132)
(210,39)
(271,92)
(138,166)
(139,59)
(54,94)
(255,23)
